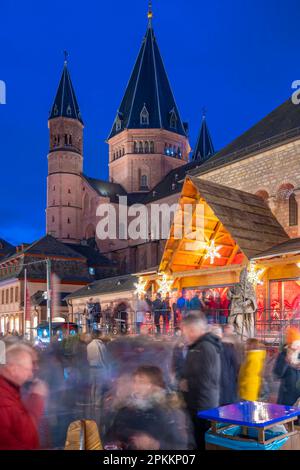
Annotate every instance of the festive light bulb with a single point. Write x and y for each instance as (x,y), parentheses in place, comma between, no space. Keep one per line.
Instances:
(140,288)
(212,252)
(165,285)
(254,275)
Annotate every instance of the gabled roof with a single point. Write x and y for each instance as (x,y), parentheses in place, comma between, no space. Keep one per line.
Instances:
(106,286)
(204,147)
(6,248)
(290,247)
(281,125)
(65,103)
(238,224)
(247,217)
(106,188)
(93,256)
(148,90)
(48,246)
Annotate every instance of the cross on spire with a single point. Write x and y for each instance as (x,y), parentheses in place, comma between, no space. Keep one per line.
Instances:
(150,11)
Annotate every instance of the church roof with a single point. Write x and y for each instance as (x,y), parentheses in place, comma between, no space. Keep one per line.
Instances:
(106,188)
(204,147)
(65,103)
(281,125)
(148,101)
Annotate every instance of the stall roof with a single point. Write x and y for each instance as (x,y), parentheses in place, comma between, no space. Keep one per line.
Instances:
(290,247)
(105,286)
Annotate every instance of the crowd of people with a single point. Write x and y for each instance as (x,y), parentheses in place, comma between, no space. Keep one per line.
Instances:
(143,391)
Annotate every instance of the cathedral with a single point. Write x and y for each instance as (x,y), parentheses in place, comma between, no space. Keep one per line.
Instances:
(149,154)
(250,190)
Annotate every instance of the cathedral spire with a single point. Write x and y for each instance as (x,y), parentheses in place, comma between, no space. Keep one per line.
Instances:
(65,103)
(204,147)
(148,92)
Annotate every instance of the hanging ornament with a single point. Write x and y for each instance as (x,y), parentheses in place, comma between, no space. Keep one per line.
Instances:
(165,285)
(254,275)
(212,251)
(140,288)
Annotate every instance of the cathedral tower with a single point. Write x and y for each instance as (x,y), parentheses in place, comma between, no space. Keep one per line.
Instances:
(148,138)
(65,164)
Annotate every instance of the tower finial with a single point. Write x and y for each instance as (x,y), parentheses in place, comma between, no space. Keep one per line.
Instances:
(150,11)
(66,57)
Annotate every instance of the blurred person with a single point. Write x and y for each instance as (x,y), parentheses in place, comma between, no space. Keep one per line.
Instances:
(81,364)
(157,309)
(19,418)
(151,418)
(98,362)
(141,307)
(229,368)
(178,357)
(251,370)
(287,369)
(201,372)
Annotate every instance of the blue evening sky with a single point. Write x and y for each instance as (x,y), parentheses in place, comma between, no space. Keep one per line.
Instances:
(236,58)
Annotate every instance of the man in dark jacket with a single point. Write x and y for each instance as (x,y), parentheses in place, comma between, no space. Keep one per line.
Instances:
(202,372)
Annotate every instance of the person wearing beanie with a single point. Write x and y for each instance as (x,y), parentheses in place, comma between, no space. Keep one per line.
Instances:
(287,369)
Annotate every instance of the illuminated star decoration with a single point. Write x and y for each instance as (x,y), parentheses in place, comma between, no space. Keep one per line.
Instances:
(140,288)
(254,275)
(165,285)
(212,252)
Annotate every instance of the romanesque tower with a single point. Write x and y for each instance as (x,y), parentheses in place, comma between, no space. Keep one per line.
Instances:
(65,164)
(148,138)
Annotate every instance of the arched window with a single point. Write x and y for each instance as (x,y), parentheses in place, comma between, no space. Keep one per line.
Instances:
(179,153)
(141,149)
(146,147)
(151,146)
(144,116)
(144,182)
(69,110)
(293,210)
(69,221)
(66,139)
(123,151)
(70,140)
(135,147)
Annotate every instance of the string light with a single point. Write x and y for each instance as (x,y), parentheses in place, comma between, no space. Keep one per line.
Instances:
(212,252)
(254,275)
(165,285)
(140,288)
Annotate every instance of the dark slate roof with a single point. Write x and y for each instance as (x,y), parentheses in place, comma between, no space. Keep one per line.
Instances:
(65,103)
(171,184)
(204,148)
(104,286)
(282,124)
(48,246)
(106,188)
(148,86)
(6,248)
(38,299)
(93,256)
(290,247)
(248,219)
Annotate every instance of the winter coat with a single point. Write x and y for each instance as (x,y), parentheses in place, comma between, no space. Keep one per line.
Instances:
(229,374)
(289,390)
(250,376)
(160,416)
(18,421)
(202,371)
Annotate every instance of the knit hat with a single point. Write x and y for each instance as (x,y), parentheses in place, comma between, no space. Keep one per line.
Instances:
(292,334)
